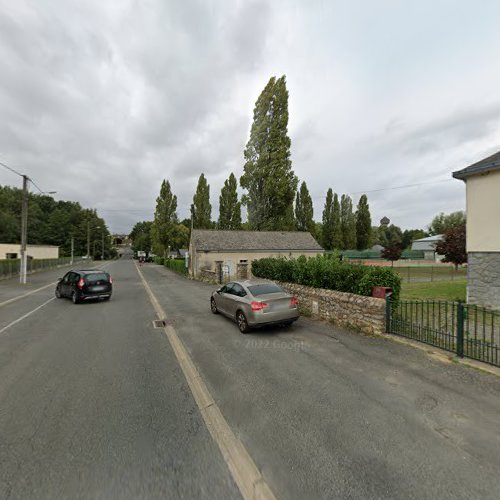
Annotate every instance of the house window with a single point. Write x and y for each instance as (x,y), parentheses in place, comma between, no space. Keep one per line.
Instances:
(243,261)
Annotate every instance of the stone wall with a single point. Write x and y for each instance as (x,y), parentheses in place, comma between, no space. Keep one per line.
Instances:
(483,279)
(365,314)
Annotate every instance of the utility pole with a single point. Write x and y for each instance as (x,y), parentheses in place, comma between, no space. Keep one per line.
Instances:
(88,239)
(102,255)
(72,249)
(24,231)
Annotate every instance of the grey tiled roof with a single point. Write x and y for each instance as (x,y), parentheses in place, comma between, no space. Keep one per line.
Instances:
(213,240)
(490,163)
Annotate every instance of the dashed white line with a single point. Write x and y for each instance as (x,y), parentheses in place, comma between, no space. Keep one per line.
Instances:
(24,316)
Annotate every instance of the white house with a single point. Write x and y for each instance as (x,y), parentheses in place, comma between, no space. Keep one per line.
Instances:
(482,188)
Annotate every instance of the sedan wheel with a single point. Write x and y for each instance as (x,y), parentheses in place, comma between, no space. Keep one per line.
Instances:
(74,298)
(213,306)
(58,293)
(242,322)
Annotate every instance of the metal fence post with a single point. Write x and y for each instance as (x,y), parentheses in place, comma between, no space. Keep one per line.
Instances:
(460,329)
(388,313)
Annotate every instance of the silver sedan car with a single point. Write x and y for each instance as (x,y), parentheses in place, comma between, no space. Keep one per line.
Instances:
(254,303)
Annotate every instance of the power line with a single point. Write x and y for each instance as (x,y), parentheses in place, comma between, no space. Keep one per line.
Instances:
(34,184)
(11,169)
(402,187)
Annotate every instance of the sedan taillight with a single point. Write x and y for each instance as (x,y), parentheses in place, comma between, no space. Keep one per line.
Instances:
(294,301)
(258,306)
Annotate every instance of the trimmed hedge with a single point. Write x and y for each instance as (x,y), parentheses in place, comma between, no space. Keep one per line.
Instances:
(178,265)
(159,260)
(325,272)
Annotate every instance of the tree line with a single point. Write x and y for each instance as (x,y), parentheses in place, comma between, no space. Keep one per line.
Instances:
(52,222)
(272,197)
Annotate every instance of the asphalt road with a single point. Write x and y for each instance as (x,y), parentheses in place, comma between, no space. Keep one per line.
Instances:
(93,404)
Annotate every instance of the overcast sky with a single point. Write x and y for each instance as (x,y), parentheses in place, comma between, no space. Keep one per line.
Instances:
(101,100)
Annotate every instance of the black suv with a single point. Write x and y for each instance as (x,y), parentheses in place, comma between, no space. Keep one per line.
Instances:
(84,285)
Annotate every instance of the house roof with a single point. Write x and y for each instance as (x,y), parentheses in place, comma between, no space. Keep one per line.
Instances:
(436,237)
(214,240)
(486,165)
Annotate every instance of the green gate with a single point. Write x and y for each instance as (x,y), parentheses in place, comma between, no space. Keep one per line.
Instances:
(465,330)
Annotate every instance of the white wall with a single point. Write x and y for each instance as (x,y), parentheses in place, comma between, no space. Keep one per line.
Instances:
(483,212)
(34,251)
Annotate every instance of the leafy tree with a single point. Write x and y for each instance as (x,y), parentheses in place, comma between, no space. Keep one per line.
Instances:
(141,236)
(229,206)
(410,235)
(51,222)
(452,246)
(268,176)
(165,219)
(202,210)
(328,226)
(304,211)
(392,253)
(336,224)
(347,223)
(363,224)
(179,237)
(442,222)
(390,236)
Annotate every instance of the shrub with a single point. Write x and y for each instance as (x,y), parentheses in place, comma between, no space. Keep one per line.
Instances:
(159,260)
(177,265)
(325,272)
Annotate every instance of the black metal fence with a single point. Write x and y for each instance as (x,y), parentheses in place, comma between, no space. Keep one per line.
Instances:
(466,330)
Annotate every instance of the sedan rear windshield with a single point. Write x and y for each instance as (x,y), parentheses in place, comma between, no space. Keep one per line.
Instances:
(264,289)
(92,278)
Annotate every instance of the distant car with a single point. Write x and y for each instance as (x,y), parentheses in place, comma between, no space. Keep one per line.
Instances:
(84,285)
(255,303)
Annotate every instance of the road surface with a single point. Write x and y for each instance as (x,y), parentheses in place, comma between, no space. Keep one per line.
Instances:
(94,403)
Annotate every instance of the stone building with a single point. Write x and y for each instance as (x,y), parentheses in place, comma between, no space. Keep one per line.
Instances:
(482,181)
(228,255)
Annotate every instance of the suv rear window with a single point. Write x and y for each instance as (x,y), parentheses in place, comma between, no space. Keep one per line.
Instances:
(92,278)
(264,288)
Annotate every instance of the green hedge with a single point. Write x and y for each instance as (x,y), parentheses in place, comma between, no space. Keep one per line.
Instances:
(178,265)
(324,272)
(159,260)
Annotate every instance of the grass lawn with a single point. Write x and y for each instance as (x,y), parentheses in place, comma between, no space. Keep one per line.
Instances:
(435,290)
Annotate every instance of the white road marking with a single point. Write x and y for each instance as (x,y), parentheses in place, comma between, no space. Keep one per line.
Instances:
(24,316)
(26,294)
(246,475)
(13,299)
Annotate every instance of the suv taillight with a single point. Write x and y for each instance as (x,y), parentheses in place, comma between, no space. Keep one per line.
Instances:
(110,280)
(81,283)
(258,306)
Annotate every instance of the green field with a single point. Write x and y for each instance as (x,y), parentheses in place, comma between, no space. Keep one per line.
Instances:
(435,290)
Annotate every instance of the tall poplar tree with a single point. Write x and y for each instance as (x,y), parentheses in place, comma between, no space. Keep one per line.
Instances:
(304,211)
(165,219)
(268,176)
(229,206)
(348,223)
(336,223)
(363,224)
(328,221)
(201,208)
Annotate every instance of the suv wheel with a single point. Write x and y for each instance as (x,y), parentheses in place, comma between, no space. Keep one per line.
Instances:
(74,298)
(58,293)
(242,322)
